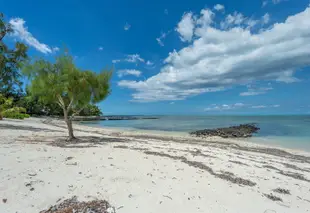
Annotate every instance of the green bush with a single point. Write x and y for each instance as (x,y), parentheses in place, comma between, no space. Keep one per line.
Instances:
(15,113)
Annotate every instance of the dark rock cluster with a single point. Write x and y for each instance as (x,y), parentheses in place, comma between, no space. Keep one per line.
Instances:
(241,131)
(72,205)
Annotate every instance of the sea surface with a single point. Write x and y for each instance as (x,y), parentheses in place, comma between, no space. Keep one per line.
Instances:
(290,131)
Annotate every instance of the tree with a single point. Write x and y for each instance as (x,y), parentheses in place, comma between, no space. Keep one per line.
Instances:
(11,60)
(7,109)
(71,88)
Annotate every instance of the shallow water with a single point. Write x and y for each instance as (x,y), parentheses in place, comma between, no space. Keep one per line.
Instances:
(291,131)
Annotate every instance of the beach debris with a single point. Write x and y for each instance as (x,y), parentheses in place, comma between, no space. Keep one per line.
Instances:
(167,197)
(270,211)
(72,164)
(225,176)
(4,200)
(282,191)
(72,205)
(241,131)
(238,162)
(32,174)
(69,158)
(273,197)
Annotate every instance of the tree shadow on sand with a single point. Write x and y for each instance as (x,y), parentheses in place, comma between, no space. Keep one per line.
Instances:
(86,142)
(27,128)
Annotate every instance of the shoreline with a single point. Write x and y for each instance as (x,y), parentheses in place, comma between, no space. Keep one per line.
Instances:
(143,172)
(272,141)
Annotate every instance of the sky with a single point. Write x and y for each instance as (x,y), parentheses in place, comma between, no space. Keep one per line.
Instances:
(179,57)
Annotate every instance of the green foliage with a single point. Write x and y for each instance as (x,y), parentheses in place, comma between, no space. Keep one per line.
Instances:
(64,84)
(7,111)
(15,113)
(11,60)
(91,110)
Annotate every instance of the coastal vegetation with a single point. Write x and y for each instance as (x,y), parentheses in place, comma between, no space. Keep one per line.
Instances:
(55,89)
(66,85)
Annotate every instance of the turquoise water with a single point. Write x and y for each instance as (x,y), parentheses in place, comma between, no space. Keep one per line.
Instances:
(288,131)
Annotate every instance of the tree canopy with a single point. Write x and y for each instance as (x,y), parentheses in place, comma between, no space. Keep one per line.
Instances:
(63,83)
(11,60)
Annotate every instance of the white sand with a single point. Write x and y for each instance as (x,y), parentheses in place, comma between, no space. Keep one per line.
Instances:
(35,175)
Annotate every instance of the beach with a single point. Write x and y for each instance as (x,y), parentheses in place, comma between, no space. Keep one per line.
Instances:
(145,172)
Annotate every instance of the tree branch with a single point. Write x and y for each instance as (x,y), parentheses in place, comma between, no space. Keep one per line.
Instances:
(61,102)
(70,104)
(78,112)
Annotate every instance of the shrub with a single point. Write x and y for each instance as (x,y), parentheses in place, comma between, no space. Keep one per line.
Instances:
(15,113)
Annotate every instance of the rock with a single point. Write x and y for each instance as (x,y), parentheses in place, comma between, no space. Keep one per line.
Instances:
(4,200)
(241,131)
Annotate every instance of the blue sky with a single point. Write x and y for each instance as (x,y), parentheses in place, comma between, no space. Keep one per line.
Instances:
(180,57)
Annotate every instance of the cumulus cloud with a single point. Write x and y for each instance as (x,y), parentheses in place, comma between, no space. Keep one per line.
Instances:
(186,27)
(127,26)
(126,72)
(256,91)
(219,7)
(22,33)
(220,58)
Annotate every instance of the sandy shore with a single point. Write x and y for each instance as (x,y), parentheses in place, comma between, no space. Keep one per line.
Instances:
(141,172)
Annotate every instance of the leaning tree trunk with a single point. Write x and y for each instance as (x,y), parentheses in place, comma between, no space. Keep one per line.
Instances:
(69,125)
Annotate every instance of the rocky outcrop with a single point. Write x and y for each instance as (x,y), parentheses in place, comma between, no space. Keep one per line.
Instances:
(241,131)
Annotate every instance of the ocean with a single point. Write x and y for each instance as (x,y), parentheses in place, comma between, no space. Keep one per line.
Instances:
(290,131)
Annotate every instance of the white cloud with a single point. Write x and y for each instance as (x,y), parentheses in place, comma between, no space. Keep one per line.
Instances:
(259,107)
(149,63)
(219,59)
(166,11)
(232,20)
(216,107)
(125,72)
(127,26)
(266,18)
(116,61)
(236,106)
(277,1)
(186,27)
(161,38)
(55,49)
(256,91)
(100,48)
(219,7)
(264,3)
(272,1)
(21,32)
(134,58)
